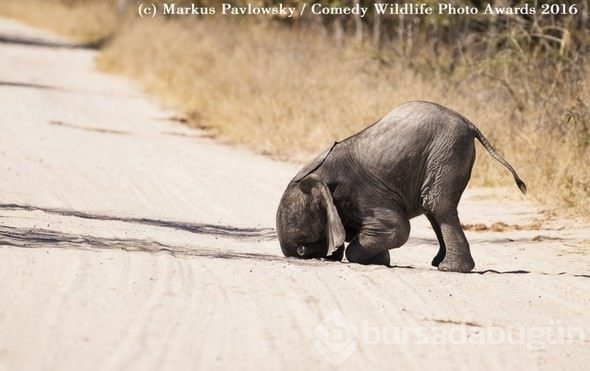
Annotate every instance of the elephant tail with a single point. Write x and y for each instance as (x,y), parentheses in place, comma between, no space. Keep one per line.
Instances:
(484,142)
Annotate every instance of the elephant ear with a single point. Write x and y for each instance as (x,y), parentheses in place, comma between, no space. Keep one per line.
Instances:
(336,234)
(314,164)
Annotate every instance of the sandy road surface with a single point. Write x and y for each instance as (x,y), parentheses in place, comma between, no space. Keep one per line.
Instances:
(130,242)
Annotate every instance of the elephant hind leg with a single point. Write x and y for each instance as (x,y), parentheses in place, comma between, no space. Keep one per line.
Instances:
(458,254)
(442,250)
(389,230)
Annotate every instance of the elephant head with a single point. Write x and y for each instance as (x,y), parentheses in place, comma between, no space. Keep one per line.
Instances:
(308,225)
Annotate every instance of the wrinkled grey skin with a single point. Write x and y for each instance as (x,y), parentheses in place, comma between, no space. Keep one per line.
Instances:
(364,190)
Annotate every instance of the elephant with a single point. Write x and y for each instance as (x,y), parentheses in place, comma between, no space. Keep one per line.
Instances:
(364,189)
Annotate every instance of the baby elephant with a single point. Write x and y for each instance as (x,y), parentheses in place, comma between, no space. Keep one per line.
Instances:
(364,189)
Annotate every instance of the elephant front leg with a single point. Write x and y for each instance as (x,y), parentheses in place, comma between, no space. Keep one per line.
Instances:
(385,230)
(458,255)
(336,255)
(360,253)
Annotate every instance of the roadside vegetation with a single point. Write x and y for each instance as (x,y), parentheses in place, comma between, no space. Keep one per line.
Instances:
(81,20)
(289,87)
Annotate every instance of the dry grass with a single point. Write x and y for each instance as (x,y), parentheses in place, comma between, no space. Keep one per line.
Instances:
(83,21)
(290,92)
(280,91)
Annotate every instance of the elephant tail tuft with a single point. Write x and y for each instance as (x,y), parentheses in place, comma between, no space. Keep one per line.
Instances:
(521,185)
(484,142)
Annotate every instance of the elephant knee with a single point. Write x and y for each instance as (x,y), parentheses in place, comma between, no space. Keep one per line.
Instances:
(392,238)
(398,238)
(356,252)
(370,244)
(387,227)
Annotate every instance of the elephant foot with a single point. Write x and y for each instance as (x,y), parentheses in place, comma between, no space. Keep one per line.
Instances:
(464,265)
(336,255)
(382,258)
(438,259)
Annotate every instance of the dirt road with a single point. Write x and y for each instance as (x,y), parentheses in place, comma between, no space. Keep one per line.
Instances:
(130,242)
